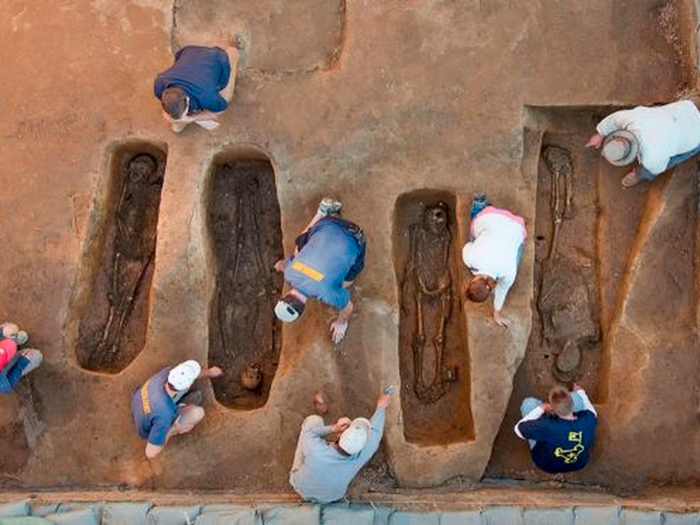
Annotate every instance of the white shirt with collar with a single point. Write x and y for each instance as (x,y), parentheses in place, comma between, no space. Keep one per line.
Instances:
(662,131)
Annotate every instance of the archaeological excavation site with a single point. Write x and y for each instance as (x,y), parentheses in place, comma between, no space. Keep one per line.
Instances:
(128,248)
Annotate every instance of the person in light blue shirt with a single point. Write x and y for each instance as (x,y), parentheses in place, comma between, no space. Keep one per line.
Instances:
(322,469)
(329,255)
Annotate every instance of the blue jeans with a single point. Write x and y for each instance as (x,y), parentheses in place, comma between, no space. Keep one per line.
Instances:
(477,206)
(531,403)
(11,374)
(645,174)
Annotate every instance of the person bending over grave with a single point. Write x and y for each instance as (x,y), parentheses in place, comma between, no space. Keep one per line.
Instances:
(327,458)
(199,85)
(329,255)
(15,362)
(164,406)
(560,433)
(659,138)
(497,237)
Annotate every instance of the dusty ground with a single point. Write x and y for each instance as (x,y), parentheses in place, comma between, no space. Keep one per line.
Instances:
(376,100)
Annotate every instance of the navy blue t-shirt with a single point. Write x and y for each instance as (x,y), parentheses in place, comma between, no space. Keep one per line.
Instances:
(562,445)
(201,72)
(323,263)
(153,409)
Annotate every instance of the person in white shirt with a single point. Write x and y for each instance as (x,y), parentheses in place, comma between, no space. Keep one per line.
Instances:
(493,253)
(659,138)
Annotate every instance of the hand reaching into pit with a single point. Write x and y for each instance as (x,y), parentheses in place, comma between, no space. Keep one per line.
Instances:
(213,372)
(596,141)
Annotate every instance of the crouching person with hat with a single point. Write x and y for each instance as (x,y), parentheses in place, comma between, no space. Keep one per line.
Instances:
(15,362)
(658,137)
(164,406)
(329,255)
(329,457)
(560,433)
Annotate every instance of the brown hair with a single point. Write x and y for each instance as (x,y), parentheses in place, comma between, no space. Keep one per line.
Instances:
(560,399)
(480,288)
(174,102)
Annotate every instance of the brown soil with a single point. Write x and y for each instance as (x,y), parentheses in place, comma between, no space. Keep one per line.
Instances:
(244,334)
(434,374)
(577,282)
(113,326)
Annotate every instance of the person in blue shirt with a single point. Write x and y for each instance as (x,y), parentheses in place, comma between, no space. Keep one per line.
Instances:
(198,86)
(327,458)
(560,433)
(329,255)
(163,406)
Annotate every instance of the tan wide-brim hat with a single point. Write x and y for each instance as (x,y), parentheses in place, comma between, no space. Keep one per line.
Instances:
(620,152)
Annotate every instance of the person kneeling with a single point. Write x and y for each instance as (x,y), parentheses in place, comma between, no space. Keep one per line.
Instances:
(163,406)
(560,433)
(15,363)
(322,470)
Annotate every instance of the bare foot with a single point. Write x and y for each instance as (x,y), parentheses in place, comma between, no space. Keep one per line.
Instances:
(320,405)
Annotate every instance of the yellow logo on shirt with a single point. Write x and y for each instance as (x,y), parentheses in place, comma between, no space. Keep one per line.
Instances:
(571,455)
(144,398)
(308,271)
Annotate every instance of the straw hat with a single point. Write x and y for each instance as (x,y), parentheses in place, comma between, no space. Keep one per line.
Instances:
(620,152)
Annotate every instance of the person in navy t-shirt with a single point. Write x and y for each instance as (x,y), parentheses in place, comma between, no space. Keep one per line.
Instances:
(329,255)
(198,86)
(163,406)
(560,433)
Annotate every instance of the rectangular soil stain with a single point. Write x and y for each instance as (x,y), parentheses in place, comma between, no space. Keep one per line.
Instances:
(112,328)
(434,359)
(584,230)
(244,335)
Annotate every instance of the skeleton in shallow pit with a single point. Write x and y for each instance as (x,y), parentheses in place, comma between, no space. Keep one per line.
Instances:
(427,293)
(134,246)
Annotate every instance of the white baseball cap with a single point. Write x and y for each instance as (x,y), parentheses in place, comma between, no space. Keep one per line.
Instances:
(289,308)
(620,152)
(355,437)
(183,375)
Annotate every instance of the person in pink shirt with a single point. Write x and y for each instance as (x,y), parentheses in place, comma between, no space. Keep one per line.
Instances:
(15,363)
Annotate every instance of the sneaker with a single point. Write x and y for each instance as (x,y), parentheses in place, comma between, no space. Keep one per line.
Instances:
(329,206)
(35,358)
(21,338)
(480,198)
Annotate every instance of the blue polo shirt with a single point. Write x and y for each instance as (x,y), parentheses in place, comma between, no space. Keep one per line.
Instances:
(323,263)
(201,72)
(562,445)
(153,409)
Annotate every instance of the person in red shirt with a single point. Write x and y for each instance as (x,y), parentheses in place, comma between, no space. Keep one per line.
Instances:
(15,363)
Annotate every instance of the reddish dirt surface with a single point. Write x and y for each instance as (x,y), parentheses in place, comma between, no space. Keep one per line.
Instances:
(392,97)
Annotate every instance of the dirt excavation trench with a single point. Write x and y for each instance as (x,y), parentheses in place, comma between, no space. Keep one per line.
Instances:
(112,328)
(127,248)
(243,222)
(432,335)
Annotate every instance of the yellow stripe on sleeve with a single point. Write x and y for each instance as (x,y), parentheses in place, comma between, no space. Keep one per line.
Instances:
(308,271)
(144,398)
